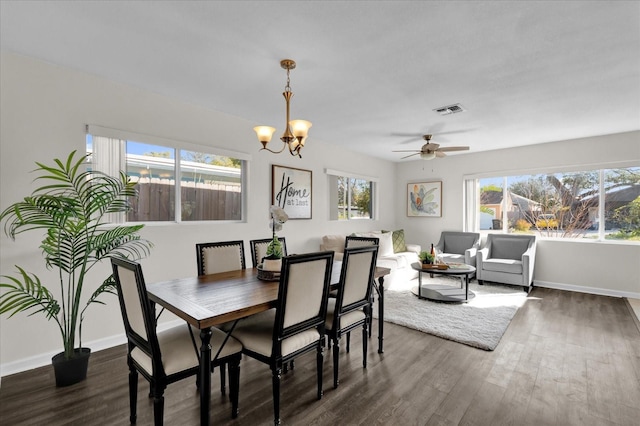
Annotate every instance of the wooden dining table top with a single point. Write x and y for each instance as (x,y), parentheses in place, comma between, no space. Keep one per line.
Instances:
(209,300)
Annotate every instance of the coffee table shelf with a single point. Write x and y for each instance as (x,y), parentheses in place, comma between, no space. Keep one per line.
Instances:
(442,292)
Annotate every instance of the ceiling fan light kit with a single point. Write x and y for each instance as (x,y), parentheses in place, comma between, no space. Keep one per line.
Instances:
(427,155)
(295,131)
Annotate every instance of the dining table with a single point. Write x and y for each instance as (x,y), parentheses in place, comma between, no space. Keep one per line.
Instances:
(209,300)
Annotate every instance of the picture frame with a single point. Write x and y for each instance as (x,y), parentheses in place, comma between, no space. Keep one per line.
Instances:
(424,199)
(291,189)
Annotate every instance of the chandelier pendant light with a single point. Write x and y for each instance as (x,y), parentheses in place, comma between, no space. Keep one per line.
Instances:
(295,131)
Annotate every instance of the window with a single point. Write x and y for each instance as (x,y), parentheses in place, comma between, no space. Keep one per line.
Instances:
(351,197)
(209,185)
(559,205)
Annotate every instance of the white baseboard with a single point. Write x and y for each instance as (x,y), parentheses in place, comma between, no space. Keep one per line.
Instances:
(44,359)
(590,290)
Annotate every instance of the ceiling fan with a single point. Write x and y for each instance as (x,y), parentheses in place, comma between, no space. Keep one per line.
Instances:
(431,150)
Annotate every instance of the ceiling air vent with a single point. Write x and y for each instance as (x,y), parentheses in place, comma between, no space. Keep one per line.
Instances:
(451,109)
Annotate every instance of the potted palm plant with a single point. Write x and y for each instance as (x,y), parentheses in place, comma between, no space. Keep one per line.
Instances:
(71,208)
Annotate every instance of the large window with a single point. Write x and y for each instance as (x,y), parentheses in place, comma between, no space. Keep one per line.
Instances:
(209,186)
(559,205)
(351,197)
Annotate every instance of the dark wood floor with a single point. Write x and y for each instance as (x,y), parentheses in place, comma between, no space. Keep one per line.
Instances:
(566,359)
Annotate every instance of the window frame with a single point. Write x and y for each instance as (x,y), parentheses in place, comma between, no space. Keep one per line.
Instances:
(124,136)
(333,196)
(471,183)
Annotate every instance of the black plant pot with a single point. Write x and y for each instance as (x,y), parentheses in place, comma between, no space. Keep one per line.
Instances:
(71,371)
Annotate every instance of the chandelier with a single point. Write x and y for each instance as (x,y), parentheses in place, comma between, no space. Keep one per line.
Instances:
(295,131)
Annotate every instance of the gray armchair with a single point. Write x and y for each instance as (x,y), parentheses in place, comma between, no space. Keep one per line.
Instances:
(507,259)
(459,247)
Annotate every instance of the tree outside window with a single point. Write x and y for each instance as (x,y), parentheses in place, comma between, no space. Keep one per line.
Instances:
(565,205)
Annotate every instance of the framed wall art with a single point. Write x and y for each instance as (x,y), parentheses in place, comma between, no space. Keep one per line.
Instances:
(424,199)
(291,190)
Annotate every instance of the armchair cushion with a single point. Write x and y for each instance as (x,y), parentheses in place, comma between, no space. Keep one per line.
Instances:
(508,248)
(509,266)
(457,244)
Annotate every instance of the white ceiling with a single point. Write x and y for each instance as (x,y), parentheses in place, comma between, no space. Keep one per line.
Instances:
(370,73)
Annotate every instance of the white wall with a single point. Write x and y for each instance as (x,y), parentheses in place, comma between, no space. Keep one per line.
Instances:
(43,113)
(611,268)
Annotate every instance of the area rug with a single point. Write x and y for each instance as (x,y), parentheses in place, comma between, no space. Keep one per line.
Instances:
(480,323)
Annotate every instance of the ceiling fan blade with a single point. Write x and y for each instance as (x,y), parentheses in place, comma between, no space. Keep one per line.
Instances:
(406,135)
(454,148)
(408,150)
(440,154)
(410,155)
(410,140)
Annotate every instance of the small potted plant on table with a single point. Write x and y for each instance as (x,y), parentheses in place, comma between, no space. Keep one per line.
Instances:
(273,259)
(426,258)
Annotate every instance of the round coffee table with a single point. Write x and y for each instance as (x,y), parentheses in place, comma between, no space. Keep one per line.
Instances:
(443,292)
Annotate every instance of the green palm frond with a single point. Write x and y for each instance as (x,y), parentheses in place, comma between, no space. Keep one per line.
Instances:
(107,286)
(72,206)
(122,241)
(27,294)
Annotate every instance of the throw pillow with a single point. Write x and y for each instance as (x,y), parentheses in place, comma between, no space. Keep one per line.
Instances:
(397,237)
(385,242)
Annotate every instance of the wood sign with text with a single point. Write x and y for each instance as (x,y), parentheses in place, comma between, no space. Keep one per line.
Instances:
(291,190)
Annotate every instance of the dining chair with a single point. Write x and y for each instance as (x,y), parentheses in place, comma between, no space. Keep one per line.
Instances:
(352,306)
(221,256)
(259,249)
(296,325)
(215,257)
(166,357)
(357,241)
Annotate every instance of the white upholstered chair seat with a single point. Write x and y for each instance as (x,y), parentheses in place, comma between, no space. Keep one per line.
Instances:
(346,320)
(256,335)
(178,353)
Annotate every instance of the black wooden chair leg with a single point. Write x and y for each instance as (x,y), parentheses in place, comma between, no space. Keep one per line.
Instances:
(158,407)
(364,345)
(275,380)
(319,362)
(133,395)
(348,341)
(336,357)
